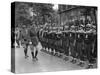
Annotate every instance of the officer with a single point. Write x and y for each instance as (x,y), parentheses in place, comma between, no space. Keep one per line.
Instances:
(34,42)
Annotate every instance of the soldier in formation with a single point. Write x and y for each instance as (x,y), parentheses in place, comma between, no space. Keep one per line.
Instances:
(79,44)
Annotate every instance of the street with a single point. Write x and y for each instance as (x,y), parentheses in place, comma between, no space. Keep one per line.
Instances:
(45,63)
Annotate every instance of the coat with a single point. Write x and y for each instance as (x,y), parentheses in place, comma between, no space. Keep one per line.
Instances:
(33,36)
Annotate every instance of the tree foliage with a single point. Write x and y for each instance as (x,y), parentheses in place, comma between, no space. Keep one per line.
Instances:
(42,13)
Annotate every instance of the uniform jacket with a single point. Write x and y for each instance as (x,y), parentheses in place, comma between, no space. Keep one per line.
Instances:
(33,36)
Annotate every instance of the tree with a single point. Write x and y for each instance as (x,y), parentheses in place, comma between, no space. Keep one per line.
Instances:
(29,13)
(43,11)
(22,16)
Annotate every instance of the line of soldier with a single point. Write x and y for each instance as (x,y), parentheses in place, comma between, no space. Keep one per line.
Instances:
(78,45)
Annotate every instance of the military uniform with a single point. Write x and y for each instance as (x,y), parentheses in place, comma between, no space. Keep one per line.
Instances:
(72,45)
(44,39)
(79,45)
(88,45)
(34,39)
(58,43)
(52,40)
(65,43)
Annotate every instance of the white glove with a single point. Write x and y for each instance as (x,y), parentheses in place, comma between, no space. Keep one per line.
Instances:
(30,42)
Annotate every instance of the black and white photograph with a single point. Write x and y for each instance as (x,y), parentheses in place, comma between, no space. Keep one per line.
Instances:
(47,37)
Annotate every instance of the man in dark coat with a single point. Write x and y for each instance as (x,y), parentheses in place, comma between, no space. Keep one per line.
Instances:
(34,42)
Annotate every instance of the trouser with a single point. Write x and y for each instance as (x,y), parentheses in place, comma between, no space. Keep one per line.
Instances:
(25,49)
(66,49)
(88,48)
(43,44)
(34,55)
(65,45)
(34,51)
(61,50)
(72,50)
(56,49)
(79,50)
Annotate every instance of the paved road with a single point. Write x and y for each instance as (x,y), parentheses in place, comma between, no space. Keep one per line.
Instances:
(45,63)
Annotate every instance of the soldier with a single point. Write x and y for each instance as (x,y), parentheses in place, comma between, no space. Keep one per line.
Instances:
(89,41)
(88,47)
(25,39)
(60,46)
(34,42)
(41,37)
(59,43)
(79,47)
(55,44)
(65,44)
(45,40)
(52,40)
(72,46)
